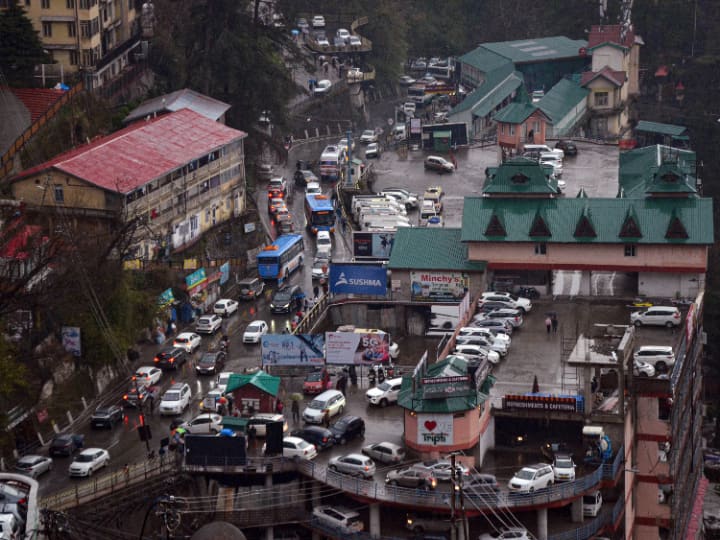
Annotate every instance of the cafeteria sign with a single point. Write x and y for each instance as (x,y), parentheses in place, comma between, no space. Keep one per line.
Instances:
(438,286)
(435,429)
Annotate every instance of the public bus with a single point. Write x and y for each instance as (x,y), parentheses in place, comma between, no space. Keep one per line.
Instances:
(278,260)
(417,94)
(319,213)
(444,70)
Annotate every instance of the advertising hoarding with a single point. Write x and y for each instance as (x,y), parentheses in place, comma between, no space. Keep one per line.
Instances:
(438,286)
(357,347)
(435,429)
(292,350)
(373,245)
(358,279)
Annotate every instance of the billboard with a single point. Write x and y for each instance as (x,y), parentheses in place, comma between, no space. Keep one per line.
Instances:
(372,245)
(358,279)
(357,347)
(435,429)
(438,286)
(292,350)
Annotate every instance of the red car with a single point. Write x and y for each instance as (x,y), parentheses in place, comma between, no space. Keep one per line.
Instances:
(317,382)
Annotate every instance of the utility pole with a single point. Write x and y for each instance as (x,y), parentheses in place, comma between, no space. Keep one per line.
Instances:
(348,134)
(453,478)
(143,428)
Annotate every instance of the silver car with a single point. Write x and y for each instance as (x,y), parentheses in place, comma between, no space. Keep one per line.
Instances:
(353,464)
(33,465)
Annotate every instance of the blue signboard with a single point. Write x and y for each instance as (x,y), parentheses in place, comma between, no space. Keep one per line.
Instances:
(358,279)
(195,279)
(224,273)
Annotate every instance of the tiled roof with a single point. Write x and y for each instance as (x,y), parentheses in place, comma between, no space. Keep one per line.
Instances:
(561,99)
(37,100)
(537,49)
(497,86)
(654,217)
(515,113)
(617,78)
(143,151)
(430,248)
(264,381)
(610,34)
(657,169)
(180,99)
(520,175)
(663,129)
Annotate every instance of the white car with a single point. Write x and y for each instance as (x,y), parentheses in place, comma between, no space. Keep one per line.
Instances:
(322,41)
(255,331)
(313,188)
(176,399)
(343,143)
(147,375)
(204,423)
(642,369)
(385,452)
(442,469)
(430,208)
(498,346)
(189,341)
(295,447)
(339,518)
(355,41)
(33,465)
(403,196)
(555,164)
(518,302)
(476,351)
(208,324)
(330,403)
(323,241)
(343,34)
(354,465)
(88,461)
(668,316)
(532,478)
(384,393)
(564,468)
(260,421)
(368,136)
(486,332)
(318,21)
(225,307)
(661,357)
(511,533)
(406,80)
(322,87)
(372,150)
(222,380)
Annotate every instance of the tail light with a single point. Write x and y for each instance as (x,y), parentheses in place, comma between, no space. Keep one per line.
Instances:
(172,360)
(156,360)
(366,468)
(676,315)
(324,439)
(125,397)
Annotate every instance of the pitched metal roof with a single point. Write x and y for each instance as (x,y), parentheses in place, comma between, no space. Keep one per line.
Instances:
(520,175)
(663,129)
(537,49)
(617,78)
(650,169)
(562,98)
(181,99)
(516,113)
(497,86)
(561,216)
(430,248)
(264,381)
(483,59)
(610,34)
(143,151)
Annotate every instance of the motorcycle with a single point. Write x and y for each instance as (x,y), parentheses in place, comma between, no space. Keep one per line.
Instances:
(379,372)
(528,292)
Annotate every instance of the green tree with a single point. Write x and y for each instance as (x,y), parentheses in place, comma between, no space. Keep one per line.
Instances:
(20,46)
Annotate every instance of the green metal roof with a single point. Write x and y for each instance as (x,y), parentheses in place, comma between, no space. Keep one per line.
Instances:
(657,169)
(663,129)
(562,98)
(423,248)
(236,423)
(654,217)
(537,49)
(515,113)
(483,59)
(264,381)
(520,175)
(498,85)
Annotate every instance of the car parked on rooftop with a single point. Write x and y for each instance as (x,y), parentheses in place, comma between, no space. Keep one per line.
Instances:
(668,316)
(410,477)
(353,464)
(385,452)
(661,357)
(532,478)
(642,368)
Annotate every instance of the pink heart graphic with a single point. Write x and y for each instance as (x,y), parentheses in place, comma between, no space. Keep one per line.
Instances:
(430,425)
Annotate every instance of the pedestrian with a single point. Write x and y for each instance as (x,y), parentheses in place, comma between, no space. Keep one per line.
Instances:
(326,420)
(343,224)
(316,292)
(279,407)
(554,323)
(151,401)
(251,432)
(548,323)
(295,411)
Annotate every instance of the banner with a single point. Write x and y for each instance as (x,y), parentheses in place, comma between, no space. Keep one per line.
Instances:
(357,348)
(373,245)
(362,279)
(71,340)
(435,429)
(195,279)
(166,298)
(292,350)
(438,286)
(224,273)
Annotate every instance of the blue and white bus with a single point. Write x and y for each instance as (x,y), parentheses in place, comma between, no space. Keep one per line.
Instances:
(319,213)
(278,260)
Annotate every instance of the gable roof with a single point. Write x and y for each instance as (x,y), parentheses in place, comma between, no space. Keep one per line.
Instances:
(37,100)
(660,128)
(610,34)
(261,380)
(520,175)
(483,59)
(423,248)
(181,99)
(657,169)
(617,78)
(537,49)
(516,113)
(652,216)
(498,85)
(561,99)
(142,152)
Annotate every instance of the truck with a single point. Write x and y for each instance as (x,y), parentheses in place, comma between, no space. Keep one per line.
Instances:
(332,161)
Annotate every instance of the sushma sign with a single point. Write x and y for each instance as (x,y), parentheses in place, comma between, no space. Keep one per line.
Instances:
(365,279)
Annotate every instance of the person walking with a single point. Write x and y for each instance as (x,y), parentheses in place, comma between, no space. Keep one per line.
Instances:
(279,407)
(554,322)
(295,411)
(151,401)
(548,323)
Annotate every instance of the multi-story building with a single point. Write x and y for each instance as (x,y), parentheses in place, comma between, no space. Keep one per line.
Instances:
(93,36)
(177,175)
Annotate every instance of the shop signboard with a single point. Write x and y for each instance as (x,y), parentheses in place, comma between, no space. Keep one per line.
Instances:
(438,286)
(364,279)
(435,429)
(166,298)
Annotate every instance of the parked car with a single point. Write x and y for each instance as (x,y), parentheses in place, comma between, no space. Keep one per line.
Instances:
(211,362)
(442,469)
(403,196)
(517,302)
(343,34)
(385,452)
(66,444)
(295,447)
(481,483)
(208,324)
(499,347)
(176,399)
(384,393)
(170,358)
(189,341)
(322,87)
(348,428)
(107,416)
(563,468)
(411,478)
(260,421)
(33,465)
(512,316)
(251,288)
(287,299)
(510,533)
(338,518)
(303,177)
(372,150)
(88,461)
(657,316)
(255,331)
(430,209)
(328,404)
(592,503)
(355,41)
(568,147)
(439,164)
(532,478)
(206,423)
(147,375)
(353,464)
(302,24)
(368,136)
(318,21)
(317,381)
(660,356)
(642,369)
(406,80)
(476,351)
(422,523)
(488,333)
(225,307)
(321,437)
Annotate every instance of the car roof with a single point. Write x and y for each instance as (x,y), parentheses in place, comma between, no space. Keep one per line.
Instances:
(655,348)
(145,368)
(295,440)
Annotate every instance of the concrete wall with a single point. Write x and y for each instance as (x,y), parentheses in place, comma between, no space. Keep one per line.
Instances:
(613,57)
(670,285)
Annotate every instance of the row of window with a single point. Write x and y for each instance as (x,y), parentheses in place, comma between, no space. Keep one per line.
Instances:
(87,28)
(69,4)
(630,250)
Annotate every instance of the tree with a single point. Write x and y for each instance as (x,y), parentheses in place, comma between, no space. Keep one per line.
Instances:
(20,46)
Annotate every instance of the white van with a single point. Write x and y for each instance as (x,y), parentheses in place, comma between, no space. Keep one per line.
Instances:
(444,317)
(323,243)
(540,148)
(331,161)
(592,503)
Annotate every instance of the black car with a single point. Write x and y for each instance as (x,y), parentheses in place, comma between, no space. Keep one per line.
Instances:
(568,147)
(287,299)
(211,363)
(106,416)
(66,445)
(347,428)
(304,177)
(136,395)
(170,358)
(319,436)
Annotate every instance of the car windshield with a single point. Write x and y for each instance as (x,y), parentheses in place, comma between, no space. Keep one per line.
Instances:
(223,379)
(62,440)
(282,296)
(525,474)
(342,423)
(564,463)
(171,396)
(254,328)
(84,458)
(317,404)
(208,358)
(384,386)
(102,410)
(314,376)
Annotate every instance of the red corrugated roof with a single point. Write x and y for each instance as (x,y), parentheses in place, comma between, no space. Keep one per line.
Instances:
(610,33)
(17,246)
(134,156)
(37,100)
(618,78)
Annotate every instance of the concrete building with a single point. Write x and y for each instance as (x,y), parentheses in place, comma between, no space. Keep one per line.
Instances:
(518,124)
(176,176)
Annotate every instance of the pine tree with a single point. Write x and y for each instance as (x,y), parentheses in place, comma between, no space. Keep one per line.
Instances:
(20,46)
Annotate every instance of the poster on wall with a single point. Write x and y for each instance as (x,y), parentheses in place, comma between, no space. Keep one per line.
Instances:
(438,286)
(435,429)
(373,245)
(292,350)
(71,340)
(357,348)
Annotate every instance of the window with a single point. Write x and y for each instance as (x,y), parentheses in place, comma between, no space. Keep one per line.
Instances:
(512,129)
(601,99)
(630,250)
(72,30)
(47,29)
(541,249)
(70,4)
(74,58)
(45,4)
(59,195)
(85,29)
